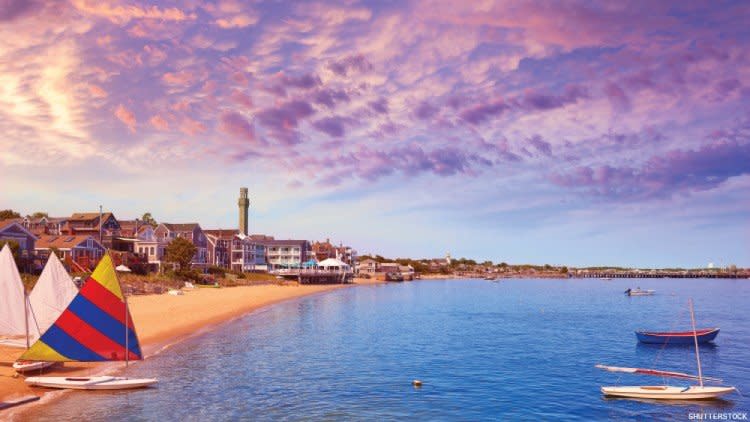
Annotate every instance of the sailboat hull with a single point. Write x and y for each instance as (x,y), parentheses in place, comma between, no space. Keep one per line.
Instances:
(30,366)
(667,393)
(90,383)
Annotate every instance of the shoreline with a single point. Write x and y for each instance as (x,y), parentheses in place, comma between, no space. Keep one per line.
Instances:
(162,321)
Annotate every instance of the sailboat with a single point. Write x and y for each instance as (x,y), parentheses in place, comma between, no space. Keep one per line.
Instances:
(664,392)
(15,315)
(52,293)
(95,327)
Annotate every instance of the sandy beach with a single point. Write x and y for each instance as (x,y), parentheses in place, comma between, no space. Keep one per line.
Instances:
(162,320)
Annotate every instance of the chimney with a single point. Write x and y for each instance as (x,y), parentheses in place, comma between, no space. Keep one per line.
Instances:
(244,204)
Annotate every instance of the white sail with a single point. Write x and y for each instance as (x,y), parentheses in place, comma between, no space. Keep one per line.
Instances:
(13,303)
(51,296)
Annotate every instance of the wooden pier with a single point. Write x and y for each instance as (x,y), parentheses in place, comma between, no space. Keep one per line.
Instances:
(315,276)
(658,274)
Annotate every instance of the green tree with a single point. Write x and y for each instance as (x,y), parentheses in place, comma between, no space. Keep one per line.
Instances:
(564,270)
(15,249)
(148,219)
(6,214)
(180,251)
(39,214)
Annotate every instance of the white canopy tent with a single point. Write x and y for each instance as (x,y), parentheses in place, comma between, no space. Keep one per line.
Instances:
(333,264)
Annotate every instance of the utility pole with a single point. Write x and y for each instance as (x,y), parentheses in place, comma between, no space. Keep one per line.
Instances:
(100,223)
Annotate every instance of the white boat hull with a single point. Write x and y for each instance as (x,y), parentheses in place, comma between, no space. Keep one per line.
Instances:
(667,393)
(90,383)
(29,366)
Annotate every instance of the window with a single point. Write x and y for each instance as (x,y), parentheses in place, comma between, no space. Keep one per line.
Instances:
(152,250)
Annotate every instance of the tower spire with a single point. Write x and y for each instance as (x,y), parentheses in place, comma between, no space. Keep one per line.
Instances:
(244,204)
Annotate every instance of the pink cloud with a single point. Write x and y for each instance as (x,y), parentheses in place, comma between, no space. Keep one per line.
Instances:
(159,123)
(97,91)
(127,117)
(237,21)
(182,78)
(242,99)
(120,14)
(191,127)
(236,125)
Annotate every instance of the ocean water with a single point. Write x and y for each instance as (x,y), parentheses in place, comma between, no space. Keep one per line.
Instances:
(508,350)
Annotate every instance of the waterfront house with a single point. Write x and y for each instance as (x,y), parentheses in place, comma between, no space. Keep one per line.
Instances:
(102,226)
(142,241)
(407,271)
(166,232)
(367,266)
(81,252)
(44,225)
(14,230)
(219,247)
(389,267)
(232,249)
(285,253)
(324,250)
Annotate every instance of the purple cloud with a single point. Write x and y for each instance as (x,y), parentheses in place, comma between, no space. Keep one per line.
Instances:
(11,9)
(425,110)
(348,64)
(333,126)
(617,97)
(537,101)
(380,105)
(281,82)
(282,121)
(234,124)
(329,97)
(664,175)
(541,145)
(480,113)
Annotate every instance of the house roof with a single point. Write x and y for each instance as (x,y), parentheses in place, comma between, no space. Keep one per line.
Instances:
(4,224)
(63,241)
(9,221)
(181,227)
(260,237)
(128,226)
(88,216)
(222,233)
(278,242)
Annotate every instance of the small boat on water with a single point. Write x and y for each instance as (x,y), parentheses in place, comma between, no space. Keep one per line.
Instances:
(90,383)
(639,292)
(703,335)
(665,392)
(606,278)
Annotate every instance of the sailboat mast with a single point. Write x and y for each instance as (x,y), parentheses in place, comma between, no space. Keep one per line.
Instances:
(695,337)
(127,349)
(26,307)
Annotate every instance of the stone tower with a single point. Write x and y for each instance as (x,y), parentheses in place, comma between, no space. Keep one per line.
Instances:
(244,204)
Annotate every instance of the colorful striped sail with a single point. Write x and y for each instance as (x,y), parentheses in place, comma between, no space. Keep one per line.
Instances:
(93,327)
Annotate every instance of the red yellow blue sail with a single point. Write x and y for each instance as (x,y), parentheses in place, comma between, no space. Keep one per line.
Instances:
(93,327)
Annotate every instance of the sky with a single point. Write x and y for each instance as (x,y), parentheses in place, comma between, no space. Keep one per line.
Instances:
(568,133)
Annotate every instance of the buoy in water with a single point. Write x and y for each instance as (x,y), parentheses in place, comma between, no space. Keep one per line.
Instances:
(416,383)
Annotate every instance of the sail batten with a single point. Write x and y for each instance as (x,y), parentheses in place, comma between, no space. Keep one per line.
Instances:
(93,327)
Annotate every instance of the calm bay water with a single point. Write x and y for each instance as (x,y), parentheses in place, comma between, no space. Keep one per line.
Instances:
(511,350)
